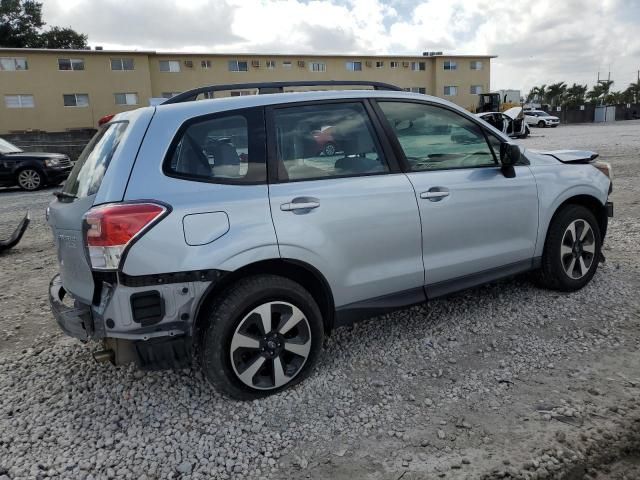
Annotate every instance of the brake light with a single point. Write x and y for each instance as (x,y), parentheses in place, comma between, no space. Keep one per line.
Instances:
(110,228)
(106,119)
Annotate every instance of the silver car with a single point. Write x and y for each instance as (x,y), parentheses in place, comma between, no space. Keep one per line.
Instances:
(219,232)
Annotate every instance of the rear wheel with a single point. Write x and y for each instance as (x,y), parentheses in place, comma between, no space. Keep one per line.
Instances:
(264,334)
(29,179)
(329,149)
(571,251)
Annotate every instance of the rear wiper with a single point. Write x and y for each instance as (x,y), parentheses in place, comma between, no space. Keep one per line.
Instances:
(65,195)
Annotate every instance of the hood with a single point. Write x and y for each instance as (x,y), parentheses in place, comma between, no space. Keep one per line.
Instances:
(35,155)
(569,156)
(513,112)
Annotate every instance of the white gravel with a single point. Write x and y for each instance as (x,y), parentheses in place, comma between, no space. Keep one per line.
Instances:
(500,381)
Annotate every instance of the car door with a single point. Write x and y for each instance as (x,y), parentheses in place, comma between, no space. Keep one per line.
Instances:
(351,215)
(477,224)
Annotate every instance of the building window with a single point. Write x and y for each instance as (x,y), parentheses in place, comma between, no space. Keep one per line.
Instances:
(122,64)
(450,65)
(318,67)
(450,91)
(416,90)
(270,64)
(170,94)
(418,66)
(476,65)
(18,101)
(241,93)
(11,64)
(236,66)
(76,100)
(205,64)
(286,64)
(379,64)
(169,66)
(126,98)
(394,64)
(354,66)
(70,64)
(475,89)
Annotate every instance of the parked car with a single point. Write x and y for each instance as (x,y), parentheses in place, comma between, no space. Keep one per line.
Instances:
(31,170)
(168,261)
(540,119)
(510,122)
(325,141)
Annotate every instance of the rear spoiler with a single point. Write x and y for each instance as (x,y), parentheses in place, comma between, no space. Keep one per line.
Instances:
(17,234)
(572,156)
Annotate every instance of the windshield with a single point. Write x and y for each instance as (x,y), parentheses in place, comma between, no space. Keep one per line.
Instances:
(6,147)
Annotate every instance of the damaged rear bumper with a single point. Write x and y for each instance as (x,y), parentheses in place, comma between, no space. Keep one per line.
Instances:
(77,320)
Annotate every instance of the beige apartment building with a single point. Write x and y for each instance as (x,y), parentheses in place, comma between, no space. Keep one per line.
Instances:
(58,90)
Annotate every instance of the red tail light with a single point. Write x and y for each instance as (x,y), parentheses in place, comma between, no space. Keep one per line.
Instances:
(111,228)
(106,119)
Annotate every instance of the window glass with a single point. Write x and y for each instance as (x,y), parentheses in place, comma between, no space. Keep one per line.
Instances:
(450,65)
(87,173)
(318,67)
(13,64)
(236,66)
(476,89)
(122,64)
(450,90)
(394,64)
(76,100)
(331,140)
(18,101)
(354,66)
(217,149)
(70,64)
(476,65)
(434,138)
(205,64)
(169,66)
(126,98)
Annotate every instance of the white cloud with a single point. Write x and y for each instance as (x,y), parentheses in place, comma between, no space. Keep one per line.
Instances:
(537,42)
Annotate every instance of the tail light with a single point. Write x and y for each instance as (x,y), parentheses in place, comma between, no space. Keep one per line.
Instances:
(106,119)
(111,228)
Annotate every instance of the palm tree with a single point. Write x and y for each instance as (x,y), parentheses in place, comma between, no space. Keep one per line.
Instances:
(537,94)
(575,94)
(555,92)
(632,92)
(595,93)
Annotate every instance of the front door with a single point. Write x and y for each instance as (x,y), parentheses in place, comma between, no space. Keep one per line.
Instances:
(345,210)
(476,223)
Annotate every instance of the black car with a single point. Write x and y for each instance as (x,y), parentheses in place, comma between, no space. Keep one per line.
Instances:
(31,170)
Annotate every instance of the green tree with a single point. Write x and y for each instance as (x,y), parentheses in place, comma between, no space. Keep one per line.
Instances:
(575,95)
(632,93)
(537,94)
(21,26)
(555,93)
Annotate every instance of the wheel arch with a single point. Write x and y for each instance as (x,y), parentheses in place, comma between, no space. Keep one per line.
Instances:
(300,272)
(592,204)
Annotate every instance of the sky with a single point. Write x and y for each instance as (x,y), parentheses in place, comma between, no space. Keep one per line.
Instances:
(537,42)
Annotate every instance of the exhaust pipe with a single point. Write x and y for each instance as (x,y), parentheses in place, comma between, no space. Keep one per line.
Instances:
(103,356)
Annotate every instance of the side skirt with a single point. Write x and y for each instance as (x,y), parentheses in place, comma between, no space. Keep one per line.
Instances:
(349,314)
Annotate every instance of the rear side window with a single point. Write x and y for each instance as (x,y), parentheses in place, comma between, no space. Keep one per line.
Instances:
(87,174)
(326,140)
(222,148)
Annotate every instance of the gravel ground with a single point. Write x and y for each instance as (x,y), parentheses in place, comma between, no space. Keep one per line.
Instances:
(503,381)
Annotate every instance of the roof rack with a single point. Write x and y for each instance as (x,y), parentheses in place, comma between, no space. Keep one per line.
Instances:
(273,87)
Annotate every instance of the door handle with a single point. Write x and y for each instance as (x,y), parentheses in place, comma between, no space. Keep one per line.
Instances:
(435,194)
(300,203)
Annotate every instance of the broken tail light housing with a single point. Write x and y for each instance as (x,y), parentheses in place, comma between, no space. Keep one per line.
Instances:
(111,228)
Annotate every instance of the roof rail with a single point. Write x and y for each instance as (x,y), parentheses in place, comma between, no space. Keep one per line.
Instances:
(273,87)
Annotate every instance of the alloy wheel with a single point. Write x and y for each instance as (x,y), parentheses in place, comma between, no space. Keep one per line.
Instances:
(29,179)
(578,249)
(330,149)
(270,345)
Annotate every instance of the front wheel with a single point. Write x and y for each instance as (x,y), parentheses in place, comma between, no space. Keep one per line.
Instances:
(264,334)
(571,251)
(541,124)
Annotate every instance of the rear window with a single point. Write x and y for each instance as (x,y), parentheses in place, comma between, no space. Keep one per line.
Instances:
(220,148)
(87,174)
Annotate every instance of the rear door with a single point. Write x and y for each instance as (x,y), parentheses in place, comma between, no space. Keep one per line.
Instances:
(352,215)
(476,222)
(78,196)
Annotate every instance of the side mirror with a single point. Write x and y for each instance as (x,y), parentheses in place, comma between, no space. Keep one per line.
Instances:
(509,156)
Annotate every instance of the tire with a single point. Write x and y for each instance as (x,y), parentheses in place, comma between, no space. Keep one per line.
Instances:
(561,267)
(234,345)
(30,179)
(329,149)
(541,124)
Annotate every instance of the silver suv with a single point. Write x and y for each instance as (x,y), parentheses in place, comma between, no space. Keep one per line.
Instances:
(238,232)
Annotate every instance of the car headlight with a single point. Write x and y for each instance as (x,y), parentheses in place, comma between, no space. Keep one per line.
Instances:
(605,168)
(52,162)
